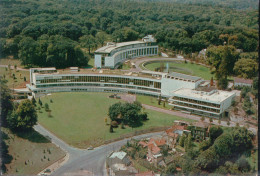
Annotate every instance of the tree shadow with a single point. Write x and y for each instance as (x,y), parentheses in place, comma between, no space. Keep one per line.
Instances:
(32,136)
(6,158)
(136,124)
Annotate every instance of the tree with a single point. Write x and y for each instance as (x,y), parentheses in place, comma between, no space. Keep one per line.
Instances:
(87,41)
(223,146)
(111,129)
(24,78)
(27,48)
(242,139)
(24,118)
(228,123)
(182,140)
(214,133)
(204,145)
(46,106)
(33,101)
(223,59)
(246,68)
(170,169)
(188,143)
(6,103)
(114,111)
(243,164)
(210,119)
(202,118)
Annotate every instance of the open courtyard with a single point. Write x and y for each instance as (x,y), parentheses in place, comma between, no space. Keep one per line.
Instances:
(79,118)
(182,67)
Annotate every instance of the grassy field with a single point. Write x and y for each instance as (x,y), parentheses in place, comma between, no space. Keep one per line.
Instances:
(29,153)
(181,67)
(91,63)
(12,62)
(19,81)
(79,118)
(151,101)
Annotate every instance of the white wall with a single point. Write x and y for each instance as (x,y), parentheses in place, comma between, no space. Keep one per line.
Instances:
(98,60)
(226,103)
(109,62)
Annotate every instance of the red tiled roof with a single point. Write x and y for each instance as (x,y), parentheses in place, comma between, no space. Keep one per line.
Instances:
(175,127)
(154,149)
(158,142)
(142,143)
(241,80)
(148,173)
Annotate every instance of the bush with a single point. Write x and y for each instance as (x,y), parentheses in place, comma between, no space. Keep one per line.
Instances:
(243,164)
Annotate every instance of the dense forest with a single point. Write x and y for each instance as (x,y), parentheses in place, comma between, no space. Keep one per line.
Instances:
(236,4)
(53,33)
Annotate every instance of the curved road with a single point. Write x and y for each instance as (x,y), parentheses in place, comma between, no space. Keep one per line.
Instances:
(82,160)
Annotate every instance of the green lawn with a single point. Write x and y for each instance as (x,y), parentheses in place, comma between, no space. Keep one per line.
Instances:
(181,67)
(91,63)
(151,101)
(29,152)
(12,62)
(18,74)
(79,118)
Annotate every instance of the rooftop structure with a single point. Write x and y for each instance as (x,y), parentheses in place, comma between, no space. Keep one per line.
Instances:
(217,96)
(175,75)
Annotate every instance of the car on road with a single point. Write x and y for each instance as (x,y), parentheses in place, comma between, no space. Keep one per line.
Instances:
(90,148)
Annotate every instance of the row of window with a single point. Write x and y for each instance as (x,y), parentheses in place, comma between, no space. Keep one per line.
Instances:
(102,79)
(197,107)
(197,112)
(135,53)
(180,79)
(196,101)
(130,47)
(97,85)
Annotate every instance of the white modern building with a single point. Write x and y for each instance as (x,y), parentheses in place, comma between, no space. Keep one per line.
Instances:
(180,88)
(211,103)
(113,54)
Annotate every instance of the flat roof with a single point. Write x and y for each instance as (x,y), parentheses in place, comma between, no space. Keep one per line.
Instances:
(184,76)
(119,155)
(109,48)
(99,72)
(45,68)
(218,96)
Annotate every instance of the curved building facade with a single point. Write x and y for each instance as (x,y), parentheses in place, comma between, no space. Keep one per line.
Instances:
(113,54)
(182,90)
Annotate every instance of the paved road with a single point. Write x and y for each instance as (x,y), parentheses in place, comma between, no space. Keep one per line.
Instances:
(194,117)
(81,160)
(12,67)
